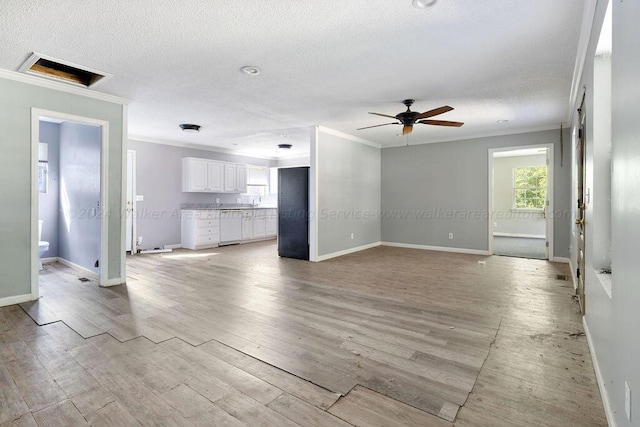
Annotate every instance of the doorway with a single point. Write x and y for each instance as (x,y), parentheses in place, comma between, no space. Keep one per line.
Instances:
(130,222)
(69,194)
(520,202)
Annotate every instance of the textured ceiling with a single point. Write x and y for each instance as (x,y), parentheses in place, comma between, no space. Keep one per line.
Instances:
(322,62)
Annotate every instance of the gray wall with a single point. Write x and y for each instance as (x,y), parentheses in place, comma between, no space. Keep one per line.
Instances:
(48,203)
(159,181)
(431,190)
(508,221)
(15,176)
(348,194)
(614,322)
(79,219)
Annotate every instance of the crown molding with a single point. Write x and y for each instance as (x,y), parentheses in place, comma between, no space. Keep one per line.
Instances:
(62,87)
(349,137)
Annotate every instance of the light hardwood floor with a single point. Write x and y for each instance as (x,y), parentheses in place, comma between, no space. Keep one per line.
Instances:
(238,336)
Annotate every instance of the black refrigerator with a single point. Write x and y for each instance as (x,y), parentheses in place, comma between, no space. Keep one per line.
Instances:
(293,213)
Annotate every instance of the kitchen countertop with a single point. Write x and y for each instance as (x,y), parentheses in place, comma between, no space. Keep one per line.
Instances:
(222,206)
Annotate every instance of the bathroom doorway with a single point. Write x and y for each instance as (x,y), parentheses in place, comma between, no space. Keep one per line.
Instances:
(69,219)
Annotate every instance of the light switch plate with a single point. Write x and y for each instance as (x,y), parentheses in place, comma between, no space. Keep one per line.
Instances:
(139,198)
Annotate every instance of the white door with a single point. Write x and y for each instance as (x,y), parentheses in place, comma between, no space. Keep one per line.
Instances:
(229,178)
(215,176)
(131,195)
(198,175)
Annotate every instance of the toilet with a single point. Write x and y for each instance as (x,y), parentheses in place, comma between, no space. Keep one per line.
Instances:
(42,246)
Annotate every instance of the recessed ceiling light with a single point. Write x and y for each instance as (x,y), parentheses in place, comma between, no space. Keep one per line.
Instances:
(285,146)
(423,4)
(251,70)
(502,121)
(190,128)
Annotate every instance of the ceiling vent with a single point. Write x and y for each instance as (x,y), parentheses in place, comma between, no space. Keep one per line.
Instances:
(63,71)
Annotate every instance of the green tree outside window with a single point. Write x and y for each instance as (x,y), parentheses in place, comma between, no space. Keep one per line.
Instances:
(530,187)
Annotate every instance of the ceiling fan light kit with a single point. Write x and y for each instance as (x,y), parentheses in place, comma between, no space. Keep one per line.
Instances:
(408,118)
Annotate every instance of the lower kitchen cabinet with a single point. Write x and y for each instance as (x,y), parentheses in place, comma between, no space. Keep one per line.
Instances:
(200,229)
(247,224)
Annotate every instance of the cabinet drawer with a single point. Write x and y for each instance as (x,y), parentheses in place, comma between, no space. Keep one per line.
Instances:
(201,240)
(206,214)
(209,231)
(208,223)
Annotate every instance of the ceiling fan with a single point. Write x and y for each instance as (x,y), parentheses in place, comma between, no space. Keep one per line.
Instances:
(409,118)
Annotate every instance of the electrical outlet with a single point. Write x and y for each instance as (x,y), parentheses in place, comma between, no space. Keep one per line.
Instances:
(495,224)
(451,236)
(627,400)
(351,236)
(217,199)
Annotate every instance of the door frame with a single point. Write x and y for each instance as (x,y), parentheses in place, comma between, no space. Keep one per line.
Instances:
(550,193)
(36,115)
(134,208)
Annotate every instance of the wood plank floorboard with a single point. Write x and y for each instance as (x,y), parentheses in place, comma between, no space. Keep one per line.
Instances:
(239,336)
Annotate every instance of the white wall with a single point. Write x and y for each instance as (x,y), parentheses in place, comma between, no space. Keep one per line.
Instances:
(613,322)
(508,220)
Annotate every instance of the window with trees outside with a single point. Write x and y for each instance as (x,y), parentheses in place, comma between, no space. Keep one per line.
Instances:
(530,187)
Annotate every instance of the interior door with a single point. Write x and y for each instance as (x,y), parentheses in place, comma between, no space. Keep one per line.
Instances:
(580,211)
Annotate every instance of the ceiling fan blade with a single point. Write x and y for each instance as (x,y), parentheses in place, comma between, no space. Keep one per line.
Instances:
(441,123)
(434,112)
(384,115)
(406,130)
(375,126)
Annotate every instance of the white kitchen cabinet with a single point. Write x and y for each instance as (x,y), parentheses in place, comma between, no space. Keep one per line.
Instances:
(271,228)
(200,228)
(259,223)
(247,224)
(235,178)
(202,175)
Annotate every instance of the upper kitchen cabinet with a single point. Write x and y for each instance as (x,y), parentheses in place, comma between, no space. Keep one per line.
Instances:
(235,178)
(213,176)
(201,175)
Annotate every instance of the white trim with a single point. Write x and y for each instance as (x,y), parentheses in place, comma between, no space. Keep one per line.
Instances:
(348,136)
(16,299)
(134,207)
(608,411)
(313,196)
(75,266)
(36,114)
(347,251)
(476,136)
(112,282)
(561,259)
(526,236)
(180,144)
(49,260)
(179,245)
(436,248)
(550,191)
(588,15)
(63,87)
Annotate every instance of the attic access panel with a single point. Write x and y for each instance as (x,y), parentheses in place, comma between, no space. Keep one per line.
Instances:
(64,71)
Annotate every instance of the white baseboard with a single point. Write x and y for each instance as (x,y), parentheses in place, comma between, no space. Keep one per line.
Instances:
(347,251)
(113,282)
(528,236)
(86,271)
(176,246)
(49,260)
(560,259)
(437,248)
(603,390)
(17,299)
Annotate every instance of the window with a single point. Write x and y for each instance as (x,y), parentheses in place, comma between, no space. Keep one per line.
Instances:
(529,187)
